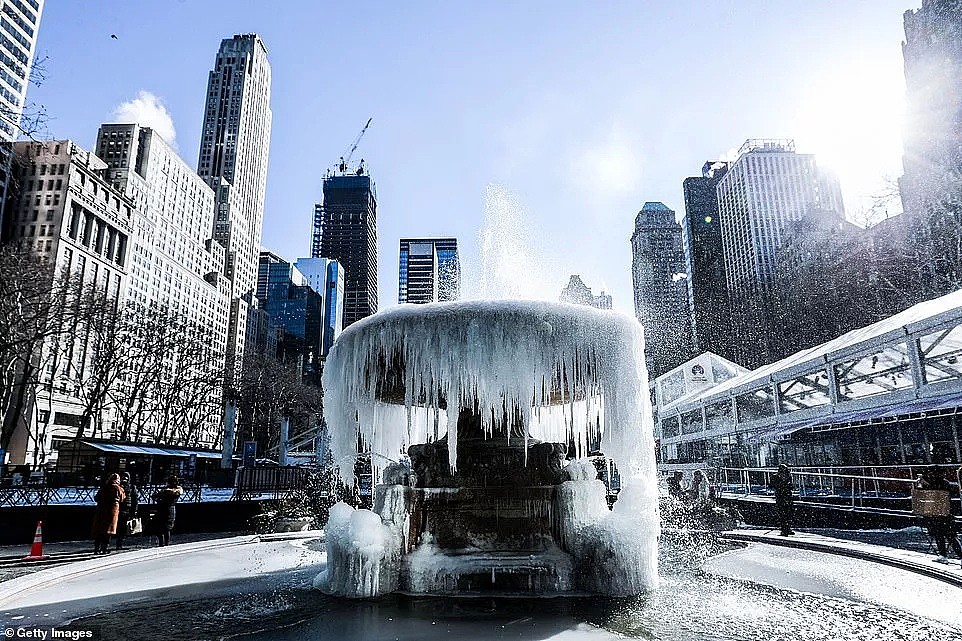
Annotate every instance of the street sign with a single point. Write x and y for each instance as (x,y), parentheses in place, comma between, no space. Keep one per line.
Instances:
(250,453)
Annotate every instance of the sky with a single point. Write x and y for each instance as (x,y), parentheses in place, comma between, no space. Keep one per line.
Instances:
(570,114)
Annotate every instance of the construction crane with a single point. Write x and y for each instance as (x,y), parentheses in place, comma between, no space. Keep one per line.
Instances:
(346,158)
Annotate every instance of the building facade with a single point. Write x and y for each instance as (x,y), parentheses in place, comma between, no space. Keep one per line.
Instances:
(765,190)
(176,265)
(298,310)
(769,194)
(326,277)
(68,212)
(705,262)
(345,230)
(19,27)
(233,161)
(660,288)
(932,159)
(429,270)
(577,292)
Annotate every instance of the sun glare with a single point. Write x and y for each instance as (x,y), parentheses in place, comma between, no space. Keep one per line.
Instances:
(852,120)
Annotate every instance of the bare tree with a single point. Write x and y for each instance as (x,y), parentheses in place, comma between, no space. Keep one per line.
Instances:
(31,305)
(268,390)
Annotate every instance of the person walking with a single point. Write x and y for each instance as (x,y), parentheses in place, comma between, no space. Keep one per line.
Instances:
(128,508)
(784,499)
(940,527)
(674,484)
(699,487)
(109,497)
(166,510)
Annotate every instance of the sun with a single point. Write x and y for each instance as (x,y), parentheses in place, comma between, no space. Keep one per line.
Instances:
(852,119)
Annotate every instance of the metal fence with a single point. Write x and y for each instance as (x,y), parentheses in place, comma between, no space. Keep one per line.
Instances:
(274,483)
(26,495)
(880,488)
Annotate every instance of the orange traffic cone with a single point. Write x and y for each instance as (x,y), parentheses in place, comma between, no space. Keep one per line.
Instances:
(36,550)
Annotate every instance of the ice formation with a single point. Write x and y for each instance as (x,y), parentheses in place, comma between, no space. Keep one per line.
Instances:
(430,570)
(566,373)
(363,554)
(579,503)
(508,359)
(620,551)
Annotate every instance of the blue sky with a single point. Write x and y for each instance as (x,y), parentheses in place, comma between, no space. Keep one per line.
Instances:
(582,111)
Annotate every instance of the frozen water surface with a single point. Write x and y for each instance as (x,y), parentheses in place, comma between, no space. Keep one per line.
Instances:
(793,596)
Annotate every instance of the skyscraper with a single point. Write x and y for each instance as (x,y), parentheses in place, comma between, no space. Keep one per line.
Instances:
(18,41)
(661,293)
(705,262)
(172,204)
(297,309)
(233,161)
(770,194)
(345,230)
(932,54)
(326,277)
(177,265)
(429,270)
(765,190)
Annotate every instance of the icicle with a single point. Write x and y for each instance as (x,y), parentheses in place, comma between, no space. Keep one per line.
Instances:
(454,402)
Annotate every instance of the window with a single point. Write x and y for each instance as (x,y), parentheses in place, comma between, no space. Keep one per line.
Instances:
(806,391)
(691,422)
(886,370)
(941,354)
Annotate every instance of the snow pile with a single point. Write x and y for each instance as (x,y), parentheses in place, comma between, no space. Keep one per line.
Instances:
(508,358)
(363,554)
(579,503)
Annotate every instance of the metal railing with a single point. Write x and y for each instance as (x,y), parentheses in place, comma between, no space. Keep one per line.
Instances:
(878,488)
(42,495)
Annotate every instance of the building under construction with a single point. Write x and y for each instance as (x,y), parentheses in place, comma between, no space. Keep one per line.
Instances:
(345,230)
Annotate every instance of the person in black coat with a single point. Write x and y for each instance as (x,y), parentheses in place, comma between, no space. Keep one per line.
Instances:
(674,485)
(784,500)
(128,507)
(166,510)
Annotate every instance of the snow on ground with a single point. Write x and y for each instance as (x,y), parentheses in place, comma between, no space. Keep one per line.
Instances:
(842,577)
(185,571)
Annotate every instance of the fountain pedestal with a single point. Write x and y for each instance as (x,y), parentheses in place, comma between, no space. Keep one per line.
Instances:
(488,524)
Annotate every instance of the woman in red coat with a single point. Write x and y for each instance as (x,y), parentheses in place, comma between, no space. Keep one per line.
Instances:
(108,498)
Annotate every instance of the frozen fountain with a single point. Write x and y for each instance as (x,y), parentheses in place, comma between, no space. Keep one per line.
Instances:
(489,399)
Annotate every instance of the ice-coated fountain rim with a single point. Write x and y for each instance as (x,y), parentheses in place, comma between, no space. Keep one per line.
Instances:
(500,357)
(483,307)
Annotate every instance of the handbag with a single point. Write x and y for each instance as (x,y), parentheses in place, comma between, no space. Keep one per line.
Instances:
(135,526)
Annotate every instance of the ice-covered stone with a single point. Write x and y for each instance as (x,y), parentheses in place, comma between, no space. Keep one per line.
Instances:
(363,554)
(564,373)
(579,503)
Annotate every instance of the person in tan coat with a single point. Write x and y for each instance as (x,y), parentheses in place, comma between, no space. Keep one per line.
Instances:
(108,498)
